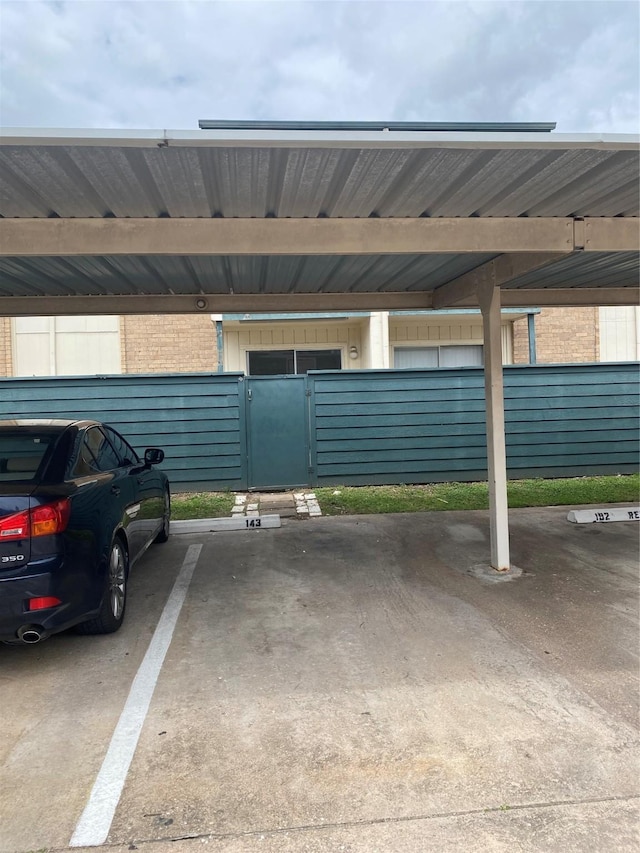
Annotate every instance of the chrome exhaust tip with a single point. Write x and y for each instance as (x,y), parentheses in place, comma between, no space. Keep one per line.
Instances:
(31,634)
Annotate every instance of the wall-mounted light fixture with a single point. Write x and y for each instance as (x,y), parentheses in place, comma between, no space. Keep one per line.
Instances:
(353,352)
(201,304)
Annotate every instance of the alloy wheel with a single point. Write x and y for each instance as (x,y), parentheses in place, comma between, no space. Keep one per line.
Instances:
(117,580)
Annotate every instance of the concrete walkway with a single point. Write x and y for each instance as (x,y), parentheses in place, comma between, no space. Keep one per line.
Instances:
(348,685)
(298,504)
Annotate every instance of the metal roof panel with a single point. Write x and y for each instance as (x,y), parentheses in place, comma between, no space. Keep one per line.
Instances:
(160,274)
(198,180)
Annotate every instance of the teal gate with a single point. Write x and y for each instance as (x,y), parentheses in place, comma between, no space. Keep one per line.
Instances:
(277,431)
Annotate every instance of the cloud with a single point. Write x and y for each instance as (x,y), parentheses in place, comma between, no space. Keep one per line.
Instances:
(166,64)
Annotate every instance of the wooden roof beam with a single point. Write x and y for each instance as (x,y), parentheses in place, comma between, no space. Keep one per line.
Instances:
(497,271)
(262,237)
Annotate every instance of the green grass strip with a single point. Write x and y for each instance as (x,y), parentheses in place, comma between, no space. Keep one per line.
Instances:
(358,500)
(201,505)
(355,500)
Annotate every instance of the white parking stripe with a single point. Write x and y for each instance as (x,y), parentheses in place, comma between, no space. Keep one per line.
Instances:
(94,824)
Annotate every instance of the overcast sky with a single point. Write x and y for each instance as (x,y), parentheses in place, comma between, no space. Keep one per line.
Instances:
(166,64)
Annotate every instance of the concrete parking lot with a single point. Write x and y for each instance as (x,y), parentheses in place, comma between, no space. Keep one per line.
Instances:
(347,684)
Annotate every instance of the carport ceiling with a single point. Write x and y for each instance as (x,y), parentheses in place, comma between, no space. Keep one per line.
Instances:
(295,220)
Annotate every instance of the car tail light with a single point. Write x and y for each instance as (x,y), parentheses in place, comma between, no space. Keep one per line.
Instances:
(50,518)
(14,527)
(42,603)
(40,521)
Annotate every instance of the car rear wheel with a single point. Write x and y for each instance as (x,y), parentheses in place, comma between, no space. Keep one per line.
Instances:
(114,599)
(163,535)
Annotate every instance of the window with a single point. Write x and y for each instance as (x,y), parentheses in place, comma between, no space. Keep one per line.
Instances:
(277,362)
(445,356)
(66,346)
(124,450)
(96,454)
(21,455)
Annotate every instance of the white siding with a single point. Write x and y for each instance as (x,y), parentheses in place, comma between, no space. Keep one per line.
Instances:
(619,335)
(66,346)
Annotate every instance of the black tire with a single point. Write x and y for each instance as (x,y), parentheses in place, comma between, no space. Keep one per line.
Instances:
(163,535)
(114,600)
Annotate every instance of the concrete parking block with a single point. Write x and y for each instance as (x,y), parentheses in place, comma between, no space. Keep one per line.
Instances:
(211,525)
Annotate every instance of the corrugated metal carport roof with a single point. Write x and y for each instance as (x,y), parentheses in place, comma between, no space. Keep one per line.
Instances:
(301,175)
(175,175)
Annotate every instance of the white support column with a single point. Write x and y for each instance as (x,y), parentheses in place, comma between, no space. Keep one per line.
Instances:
(489,298)
(379,340)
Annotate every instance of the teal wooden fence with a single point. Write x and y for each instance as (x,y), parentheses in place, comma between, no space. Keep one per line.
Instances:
(366,427)
(198,419)
(421,426)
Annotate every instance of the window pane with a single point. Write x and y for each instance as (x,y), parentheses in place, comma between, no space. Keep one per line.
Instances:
(96,454)
(415,357)
(460,356)
(270,362)
(443,356)
(124,450)
(85,464)
(21,455)
(321,359)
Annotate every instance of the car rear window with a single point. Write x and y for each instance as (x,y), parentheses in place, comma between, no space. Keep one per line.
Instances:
(22,455)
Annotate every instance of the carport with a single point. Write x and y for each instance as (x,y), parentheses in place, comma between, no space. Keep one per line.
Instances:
(322,217)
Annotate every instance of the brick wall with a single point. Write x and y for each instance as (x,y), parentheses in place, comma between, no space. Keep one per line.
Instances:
(6,361)
(563,335)
(176,343)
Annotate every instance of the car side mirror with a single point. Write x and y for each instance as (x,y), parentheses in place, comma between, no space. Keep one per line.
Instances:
(153,456)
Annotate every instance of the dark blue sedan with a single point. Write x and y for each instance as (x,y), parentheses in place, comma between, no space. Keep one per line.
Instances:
(77,508)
